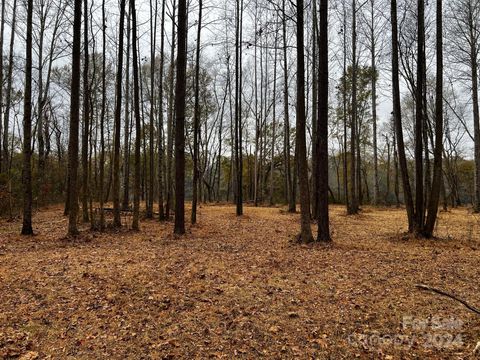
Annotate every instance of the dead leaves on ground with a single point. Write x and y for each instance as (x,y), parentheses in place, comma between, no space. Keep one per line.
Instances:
(231,287)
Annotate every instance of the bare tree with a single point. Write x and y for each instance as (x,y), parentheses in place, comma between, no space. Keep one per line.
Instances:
(117,222)
(74,120)
(180,93)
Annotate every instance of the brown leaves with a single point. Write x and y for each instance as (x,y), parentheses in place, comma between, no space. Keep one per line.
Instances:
(231,287)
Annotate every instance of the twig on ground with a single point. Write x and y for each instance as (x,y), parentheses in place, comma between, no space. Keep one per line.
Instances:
(451,296)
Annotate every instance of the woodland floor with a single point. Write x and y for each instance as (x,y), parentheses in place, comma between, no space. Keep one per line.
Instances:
(238,287)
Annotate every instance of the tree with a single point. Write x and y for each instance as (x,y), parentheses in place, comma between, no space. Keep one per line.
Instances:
(397,115)
(153,37)
(180,92)
(27,129)
(438,152)
(74,120)
(86,116)
(419,119)
(2,33)
(196,118)
(238,108)
(117,222)
(354,166)
(138,129)
(322,128)
(102,120)
(301,146)
(161,213)
(290,185)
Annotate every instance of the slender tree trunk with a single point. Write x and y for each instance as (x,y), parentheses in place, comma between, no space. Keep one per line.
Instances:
(138,129)
(376,190)
(74,120)
(102,120)
(353,209)
(180,92)
(86,116)
(288,176)
(238,110)
(315,38)
(2,33)
(475,104)
(127,124)
(171,115)
(322,128)
(419,121)
(153,37)
(301,146)
(274,121)
(438,152)
(117,221)
(161,212)
(397,115)
(196,119)
(27,129)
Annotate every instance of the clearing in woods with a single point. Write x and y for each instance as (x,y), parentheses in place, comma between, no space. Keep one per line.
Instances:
(239,287)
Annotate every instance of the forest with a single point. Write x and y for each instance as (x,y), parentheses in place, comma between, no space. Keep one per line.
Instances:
(239,179)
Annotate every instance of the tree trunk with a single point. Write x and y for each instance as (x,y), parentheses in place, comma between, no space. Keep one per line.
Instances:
(238,109)
(419,121)
(301,146)
(74,121)
(196,119)
(353,208)
(86,117)
(161,212)
(180,92)
(322,127)
(138,129)
(397,115)
(438,152)
(117,222)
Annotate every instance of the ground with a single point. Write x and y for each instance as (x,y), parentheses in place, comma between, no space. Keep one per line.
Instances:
(238,287)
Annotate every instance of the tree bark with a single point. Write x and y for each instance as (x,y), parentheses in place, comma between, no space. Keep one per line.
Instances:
(74,121)
(322,128)
(180,93)
(117,222)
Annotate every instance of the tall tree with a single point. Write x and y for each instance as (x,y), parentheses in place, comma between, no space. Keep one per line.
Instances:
(354,193)
(117,221)
(2,33)
(397,115)
(161,212)
(238,108)
(322,128)
(102,120)
(419,119)
(301,146)
(27,129)
(151,173)
(196,118)
(74,120)
(180,93)
(138,129)
(86,115)
(290,185)
(438,151)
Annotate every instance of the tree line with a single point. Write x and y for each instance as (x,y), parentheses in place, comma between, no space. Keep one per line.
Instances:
(164,102)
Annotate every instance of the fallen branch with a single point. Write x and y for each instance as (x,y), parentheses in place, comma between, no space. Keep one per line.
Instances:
(451,296)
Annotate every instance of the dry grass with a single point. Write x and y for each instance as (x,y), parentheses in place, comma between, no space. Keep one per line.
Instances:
(236,287)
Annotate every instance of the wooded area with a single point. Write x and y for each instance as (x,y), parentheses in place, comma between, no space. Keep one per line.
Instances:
(180,123)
